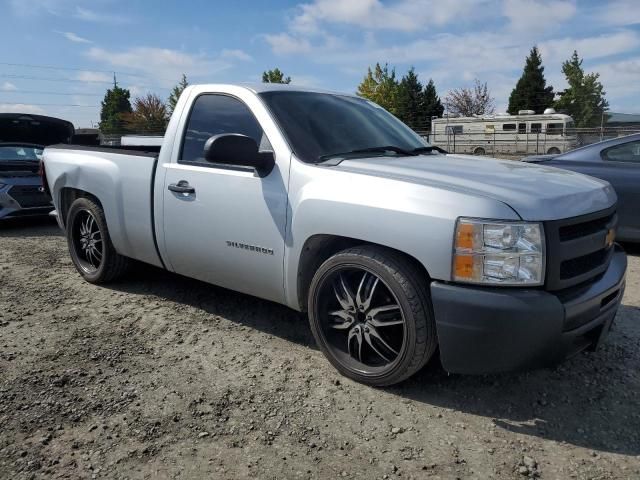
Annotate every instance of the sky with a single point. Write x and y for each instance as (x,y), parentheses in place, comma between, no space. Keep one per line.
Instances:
(59,56)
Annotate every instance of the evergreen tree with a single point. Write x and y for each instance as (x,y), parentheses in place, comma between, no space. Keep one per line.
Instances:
(431,104)
(380,86)
(584,99)
(275,76)
(115,104)
(531,91)
(410,101)
(176,92)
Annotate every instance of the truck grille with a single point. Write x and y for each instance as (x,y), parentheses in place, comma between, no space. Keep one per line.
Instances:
(579,248)
(28,196)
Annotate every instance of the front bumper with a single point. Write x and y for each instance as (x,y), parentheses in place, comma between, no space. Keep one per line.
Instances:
(29,203)
(486,330)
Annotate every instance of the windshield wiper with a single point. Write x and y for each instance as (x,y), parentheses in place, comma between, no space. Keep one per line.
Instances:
(383,149)
(428,149)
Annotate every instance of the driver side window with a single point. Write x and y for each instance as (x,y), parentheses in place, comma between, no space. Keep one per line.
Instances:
(213,114)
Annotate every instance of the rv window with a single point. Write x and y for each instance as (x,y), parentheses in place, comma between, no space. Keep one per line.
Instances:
(554,128)
(522,128)
(536,127)
(508,126)
(454,129)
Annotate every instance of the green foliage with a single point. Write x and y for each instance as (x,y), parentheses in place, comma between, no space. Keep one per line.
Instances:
(115,104)
(410,100)
(431,104)
(531,92)
(275,76)
(380,86)
(407,99)
(176,92)
(584,99)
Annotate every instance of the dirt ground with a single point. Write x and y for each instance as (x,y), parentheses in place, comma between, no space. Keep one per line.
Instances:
(159,376)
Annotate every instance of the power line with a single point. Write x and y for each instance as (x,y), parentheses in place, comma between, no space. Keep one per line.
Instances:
(51,104)
(76,80)
(51,67)
(33,92)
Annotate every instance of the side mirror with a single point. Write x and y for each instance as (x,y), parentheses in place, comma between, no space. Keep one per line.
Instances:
(237,149)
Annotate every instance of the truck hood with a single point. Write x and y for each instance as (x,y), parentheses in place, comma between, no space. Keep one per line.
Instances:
(34,129)
(535,192)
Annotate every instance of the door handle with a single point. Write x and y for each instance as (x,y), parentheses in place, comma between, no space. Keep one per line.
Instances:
(181,187)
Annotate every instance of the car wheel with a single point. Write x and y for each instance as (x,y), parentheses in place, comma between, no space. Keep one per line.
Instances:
(371,315)
(553,151)
(89,243)
(479,151)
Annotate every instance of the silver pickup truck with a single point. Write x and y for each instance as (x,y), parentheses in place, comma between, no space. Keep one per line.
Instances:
(328,204)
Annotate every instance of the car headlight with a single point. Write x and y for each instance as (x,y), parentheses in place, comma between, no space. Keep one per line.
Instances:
(2,185)
(498,252)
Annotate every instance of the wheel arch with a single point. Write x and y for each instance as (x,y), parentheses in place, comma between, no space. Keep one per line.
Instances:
(320,247)
(68,195)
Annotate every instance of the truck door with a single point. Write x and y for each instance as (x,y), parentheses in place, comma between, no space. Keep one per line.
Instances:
(228,226)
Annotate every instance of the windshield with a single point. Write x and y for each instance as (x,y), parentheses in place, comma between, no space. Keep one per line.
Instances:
(321,125)
(17,153)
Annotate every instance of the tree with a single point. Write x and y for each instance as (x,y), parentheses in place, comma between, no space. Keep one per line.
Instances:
(410,101)
(149,115)
(468,102)
(380,86)
(115,104)
(584,99)
(275,76)
(531,92)
(176,92)
(431,104)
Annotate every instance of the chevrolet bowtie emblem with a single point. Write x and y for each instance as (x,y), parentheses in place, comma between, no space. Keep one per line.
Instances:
(611,237)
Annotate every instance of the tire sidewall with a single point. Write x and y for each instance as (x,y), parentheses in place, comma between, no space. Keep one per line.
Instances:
(76,207)
(410,335)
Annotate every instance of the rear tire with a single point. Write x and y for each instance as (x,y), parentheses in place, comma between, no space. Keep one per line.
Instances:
(370,313)
(479,151)
(90,247)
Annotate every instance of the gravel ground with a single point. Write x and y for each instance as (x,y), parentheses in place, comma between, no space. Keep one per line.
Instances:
(159,376)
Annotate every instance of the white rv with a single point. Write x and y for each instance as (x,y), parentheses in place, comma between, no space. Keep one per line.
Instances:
(525,133)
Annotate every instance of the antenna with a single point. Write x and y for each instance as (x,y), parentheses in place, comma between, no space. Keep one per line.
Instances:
(115,82)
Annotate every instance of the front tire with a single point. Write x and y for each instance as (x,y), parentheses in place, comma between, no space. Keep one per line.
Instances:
(371,315)
(92,252)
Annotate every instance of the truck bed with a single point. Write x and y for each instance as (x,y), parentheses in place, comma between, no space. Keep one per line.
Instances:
(123,180)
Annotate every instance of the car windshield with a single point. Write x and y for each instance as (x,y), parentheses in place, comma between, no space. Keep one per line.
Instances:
(322,125)
(17,153)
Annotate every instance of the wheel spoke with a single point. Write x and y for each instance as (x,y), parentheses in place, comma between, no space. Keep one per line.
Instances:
(98,254)
(385,316)
(344,316)
(355,333)
(89,256)
(344,294)
(366,290)
(367,337)
(373,334)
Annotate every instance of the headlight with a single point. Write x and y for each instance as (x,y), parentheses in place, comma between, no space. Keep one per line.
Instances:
(501,253)
(2,185)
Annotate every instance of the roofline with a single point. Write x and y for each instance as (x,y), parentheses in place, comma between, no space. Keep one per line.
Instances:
(258,88)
